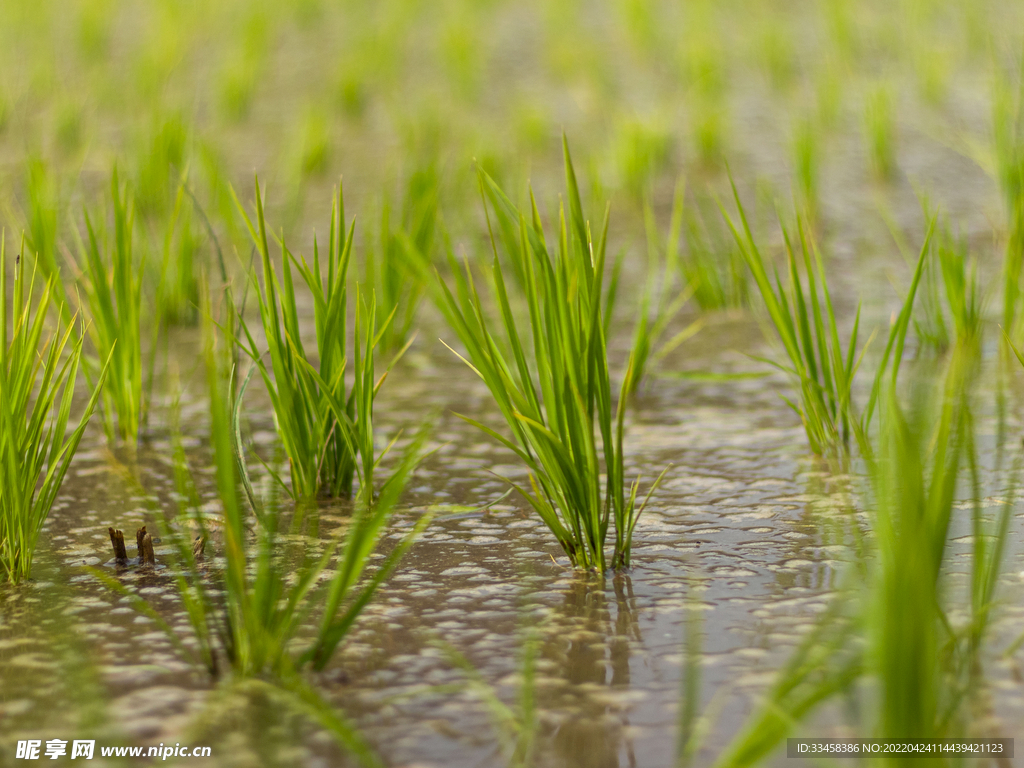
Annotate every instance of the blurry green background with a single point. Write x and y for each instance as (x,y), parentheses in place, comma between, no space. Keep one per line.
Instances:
(305,90)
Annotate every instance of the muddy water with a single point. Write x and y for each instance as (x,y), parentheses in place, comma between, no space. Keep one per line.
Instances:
(744,538)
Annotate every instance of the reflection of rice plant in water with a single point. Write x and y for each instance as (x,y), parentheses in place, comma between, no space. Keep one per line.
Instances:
(111,287)
(516,725)
(37,383)
(326,428)
(551,381)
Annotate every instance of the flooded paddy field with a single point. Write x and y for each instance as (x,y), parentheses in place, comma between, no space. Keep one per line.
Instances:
(833,550)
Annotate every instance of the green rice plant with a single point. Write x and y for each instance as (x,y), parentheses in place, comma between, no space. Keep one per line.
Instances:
(251,615)
(913,511)
(951,307)
(641,149)
(37,384)
(660,302)
(69,126)
(314,144)
(240,73)
(711,265)
(326,428)
(177,295)
(162,158)
(777,53)
(1008,151)
(880,132)
(919,673)
(709,134)
(42,193)
(828,95)
(551,380)
(805,324)
(806,161)
(932,68)
(5,112)
(398,268)
(110,282)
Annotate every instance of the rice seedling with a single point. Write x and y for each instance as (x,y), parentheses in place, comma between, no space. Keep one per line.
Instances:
(350,91)
(1008,150)
(111,292)
(5,112)
(555,398)
(177,296)
(69,128)
(828,95)
(932,68)
(805,324)
(880,132)
(42,194)
(398,269)
(917,672)
(778,57)
(161,163)
(711,265)
(951,307)
(314,143)
(238,81)
(641,149)
(326,428)
(249,621)
(37,383)
(462,56)
(806,161)
(709,134)
(660,302)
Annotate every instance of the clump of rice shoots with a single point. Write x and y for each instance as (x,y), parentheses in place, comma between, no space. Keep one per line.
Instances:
(37,383)
(110,282)
(711,264)
(951,306)
(326,426)
(177,296)
(804,322)
(161,160)
(880,132)
(1008,152)
(550,379)
(661,300)
(891,650)
(806,161)
(398,268)
(250,616)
